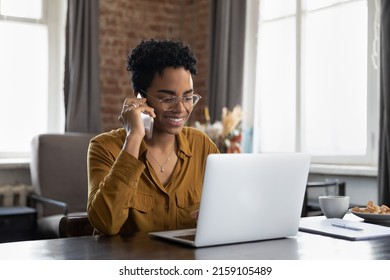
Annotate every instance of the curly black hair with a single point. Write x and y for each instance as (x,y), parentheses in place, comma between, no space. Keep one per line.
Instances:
(153,56)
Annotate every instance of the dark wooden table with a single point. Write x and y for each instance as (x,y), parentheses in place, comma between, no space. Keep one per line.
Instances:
(303,246)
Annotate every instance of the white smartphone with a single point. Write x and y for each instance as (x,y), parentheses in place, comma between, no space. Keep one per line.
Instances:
(148,124)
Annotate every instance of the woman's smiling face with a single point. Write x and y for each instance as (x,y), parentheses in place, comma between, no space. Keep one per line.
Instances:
(174,82)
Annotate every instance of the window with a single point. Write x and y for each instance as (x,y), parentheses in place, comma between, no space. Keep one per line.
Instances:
(317,80)
(31,55)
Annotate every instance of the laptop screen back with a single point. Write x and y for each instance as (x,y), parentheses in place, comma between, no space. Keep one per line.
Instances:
(248,197)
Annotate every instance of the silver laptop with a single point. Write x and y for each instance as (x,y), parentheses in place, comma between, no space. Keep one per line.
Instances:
(247,197)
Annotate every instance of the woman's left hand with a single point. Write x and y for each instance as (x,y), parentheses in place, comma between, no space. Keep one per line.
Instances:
(194,214)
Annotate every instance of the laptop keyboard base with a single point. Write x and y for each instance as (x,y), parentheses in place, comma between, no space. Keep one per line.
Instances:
(190,237)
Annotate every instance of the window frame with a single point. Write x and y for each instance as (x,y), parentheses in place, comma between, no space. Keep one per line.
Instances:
(370,159)
(54,16)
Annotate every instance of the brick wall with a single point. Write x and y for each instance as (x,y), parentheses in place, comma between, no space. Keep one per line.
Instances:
(123,23)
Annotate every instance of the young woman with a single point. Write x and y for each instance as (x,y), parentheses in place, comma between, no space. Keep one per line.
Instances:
(137,183)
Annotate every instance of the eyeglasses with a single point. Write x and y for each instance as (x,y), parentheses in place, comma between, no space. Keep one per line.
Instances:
(170,103)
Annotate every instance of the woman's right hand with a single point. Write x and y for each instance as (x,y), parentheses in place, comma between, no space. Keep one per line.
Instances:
(130,116)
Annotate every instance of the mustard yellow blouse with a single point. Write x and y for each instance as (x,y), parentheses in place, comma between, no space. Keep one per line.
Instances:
(125,195)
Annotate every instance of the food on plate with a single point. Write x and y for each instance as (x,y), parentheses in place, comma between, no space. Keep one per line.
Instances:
(372,208)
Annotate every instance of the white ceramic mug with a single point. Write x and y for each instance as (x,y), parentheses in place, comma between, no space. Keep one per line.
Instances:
(334,206)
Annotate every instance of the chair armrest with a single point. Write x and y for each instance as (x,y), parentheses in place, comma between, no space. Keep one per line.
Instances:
(75,225)
(37,198)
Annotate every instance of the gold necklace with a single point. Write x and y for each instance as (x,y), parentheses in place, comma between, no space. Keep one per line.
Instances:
(161,166)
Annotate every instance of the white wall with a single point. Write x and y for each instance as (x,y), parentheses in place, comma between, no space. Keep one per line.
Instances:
(11,174)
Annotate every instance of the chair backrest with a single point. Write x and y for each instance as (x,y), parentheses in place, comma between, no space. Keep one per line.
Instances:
(59,169)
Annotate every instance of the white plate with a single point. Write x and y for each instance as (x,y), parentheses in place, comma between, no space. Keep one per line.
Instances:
(372,217)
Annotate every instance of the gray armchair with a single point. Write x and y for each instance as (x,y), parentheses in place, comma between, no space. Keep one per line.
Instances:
(59,179)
